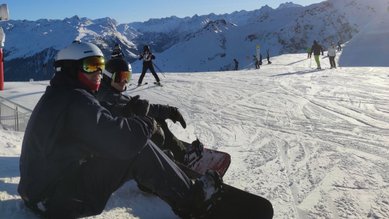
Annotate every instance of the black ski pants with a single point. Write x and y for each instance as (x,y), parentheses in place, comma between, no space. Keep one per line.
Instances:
(332,61)
(147,66)
(87,191)
(172,143)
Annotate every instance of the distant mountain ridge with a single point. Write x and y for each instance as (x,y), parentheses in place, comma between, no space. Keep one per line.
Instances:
(197,43)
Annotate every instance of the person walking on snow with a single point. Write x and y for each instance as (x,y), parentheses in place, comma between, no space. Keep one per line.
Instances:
(76,153)
(339,46)
(316,49)
(268,56)
(116,76)
(147,57)
(309,52)
(331,53)
(236,64)
(257,61)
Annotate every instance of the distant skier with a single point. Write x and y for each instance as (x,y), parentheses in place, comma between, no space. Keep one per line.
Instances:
(147,57)
(236,63)
(309,52)
(117,52)
(331,55)
(339,46)
(268,56)
(316,49)
(258,61)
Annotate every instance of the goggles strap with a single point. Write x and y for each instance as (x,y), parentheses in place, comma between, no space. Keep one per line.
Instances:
(109,74)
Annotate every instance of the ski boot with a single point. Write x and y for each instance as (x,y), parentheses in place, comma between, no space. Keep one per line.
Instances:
(193,151)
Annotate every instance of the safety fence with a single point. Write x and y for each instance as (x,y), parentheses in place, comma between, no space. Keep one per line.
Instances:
(13,116)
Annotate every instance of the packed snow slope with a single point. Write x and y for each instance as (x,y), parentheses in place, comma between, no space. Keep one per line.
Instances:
(315,143)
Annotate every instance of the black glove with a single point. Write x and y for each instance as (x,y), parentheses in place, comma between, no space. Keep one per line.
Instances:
(136,106)
(175,116)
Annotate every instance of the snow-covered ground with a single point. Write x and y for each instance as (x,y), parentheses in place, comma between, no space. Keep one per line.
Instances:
(315,143)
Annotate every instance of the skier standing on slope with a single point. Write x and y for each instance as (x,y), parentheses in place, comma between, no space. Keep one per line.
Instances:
(331,55)
(116,76)
(268,56)
(339,46)
(117,52)
(147,57)
(316,49)
(75,153)
(236,64)
(257,61)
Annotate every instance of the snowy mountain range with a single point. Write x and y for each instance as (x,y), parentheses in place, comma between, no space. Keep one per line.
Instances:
(191,44)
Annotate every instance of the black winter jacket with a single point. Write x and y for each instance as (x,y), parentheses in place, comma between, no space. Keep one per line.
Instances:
(317,49)
(68,126)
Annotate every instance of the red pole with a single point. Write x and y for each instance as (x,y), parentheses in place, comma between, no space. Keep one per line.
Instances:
(1,70)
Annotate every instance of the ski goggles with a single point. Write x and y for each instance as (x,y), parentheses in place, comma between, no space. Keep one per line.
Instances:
(92,64)
(121,76)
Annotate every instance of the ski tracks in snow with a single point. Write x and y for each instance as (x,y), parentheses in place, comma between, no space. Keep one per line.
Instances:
(309,141)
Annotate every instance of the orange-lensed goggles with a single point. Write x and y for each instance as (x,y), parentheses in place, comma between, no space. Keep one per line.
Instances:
(92,64)
(121,76)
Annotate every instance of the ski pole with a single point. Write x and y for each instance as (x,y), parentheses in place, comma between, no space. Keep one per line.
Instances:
(160,70)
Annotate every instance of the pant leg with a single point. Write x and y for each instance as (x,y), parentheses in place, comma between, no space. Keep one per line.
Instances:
(172,143)
(154,170)
(332,61)
(87,190)
(151,67)
(317,60)
(142,75)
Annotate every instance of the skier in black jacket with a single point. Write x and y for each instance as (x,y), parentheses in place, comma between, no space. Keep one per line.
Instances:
(316,50)
(147,57)
(75,153)
(115,79)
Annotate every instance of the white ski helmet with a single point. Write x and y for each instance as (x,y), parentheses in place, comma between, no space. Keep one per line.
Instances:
(78,50)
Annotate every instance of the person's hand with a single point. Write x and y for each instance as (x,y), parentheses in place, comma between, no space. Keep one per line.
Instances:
(137,106)
(175,116)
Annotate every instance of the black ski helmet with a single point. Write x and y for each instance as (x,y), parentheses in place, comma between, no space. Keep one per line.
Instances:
(116,65)
(146,48)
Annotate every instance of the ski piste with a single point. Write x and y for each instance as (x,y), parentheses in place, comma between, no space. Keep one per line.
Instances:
(234,203)
(135,86)
(142,84)
(158,84)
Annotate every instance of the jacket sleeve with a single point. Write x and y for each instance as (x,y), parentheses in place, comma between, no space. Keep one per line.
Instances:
(103,134)
(114,102)
(159,111)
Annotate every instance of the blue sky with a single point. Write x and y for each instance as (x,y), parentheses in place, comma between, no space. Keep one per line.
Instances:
(125,11)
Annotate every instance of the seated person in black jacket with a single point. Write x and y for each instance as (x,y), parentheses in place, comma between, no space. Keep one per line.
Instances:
(115,79)
(76,153)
